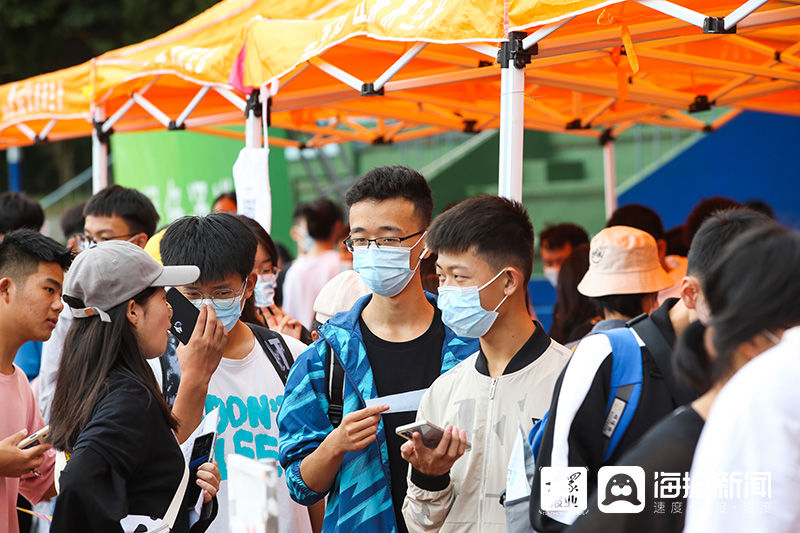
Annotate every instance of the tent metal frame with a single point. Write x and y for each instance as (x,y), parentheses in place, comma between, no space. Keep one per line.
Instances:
(542,49)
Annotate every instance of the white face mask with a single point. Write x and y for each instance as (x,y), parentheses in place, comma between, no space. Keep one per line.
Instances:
(462,311)
(264,292)
(385,270)
(551,275)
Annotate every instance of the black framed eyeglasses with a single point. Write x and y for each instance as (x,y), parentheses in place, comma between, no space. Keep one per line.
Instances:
(380,242)
(221,298)
(86,241)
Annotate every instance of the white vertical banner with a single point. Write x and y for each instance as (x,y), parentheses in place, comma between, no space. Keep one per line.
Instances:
(251,181)
(252,494)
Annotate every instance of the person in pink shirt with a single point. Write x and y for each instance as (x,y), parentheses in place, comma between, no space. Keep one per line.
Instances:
(31,273)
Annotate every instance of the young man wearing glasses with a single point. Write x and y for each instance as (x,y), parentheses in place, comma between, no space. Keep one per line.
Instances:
(247,382)
(115,213)
(392,341)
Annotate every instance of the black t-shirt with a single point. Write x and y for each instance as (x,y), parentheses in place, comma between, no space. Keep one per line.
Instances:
(126,461)
(402,367)
(668,447)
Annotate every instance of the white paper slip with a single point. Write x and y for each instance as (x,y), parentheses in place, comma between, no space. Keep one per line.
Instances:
(399,403)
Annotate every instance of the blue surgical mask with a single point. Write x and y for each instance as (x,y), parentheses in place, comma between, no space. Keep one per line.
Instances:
(462,311)
(227,315)
(264,292)
(385,270)
(308,243)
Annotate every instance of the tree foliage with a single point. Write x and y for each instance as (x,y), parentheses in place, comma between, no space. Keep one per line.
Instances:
(44,35)
(40,36)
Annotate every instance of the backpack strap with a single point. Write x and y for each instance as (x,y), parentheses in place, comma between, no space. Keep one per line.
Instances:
(537,432)
(661,351)
(626,386)
(334,379)
(276,349)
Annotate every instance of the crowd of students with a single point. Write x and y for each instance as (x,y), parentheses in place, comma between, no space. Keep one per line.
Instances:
(676,353)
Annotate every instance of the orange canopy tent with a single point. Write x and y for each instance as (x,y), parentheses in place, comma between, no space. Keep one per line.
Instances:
(593,68)
(427,66)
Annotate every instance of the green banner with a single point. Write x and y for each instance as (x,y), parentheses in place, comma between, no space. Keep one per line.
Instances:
(182,172)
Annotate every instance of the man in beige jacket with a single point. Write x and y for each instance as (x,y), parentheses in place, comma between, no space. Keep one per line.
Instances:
(485,247)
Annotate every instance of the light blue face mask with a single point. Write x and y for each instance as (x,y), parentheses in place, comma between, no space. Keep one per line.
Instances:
(308,243)
(264,292)
(462,311)
(385,270)
(228,315)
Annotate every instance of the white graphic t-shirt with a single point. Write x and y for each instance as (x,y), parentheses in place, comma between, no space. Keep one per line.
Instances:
(249,393)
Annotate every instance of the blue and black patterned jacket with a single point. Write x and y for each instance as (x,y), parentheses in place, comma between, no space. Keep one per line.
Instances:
(360,499)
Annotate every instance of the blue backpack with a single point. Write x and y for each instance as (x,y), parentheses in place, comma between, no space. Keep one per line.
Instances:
(626,389)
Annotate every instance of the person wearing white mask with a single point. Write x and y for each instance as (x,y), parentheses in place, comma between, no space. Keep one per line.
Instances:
(556,243)
(316,230)
(485,255)
(247,382)
(260,308)
(334,441)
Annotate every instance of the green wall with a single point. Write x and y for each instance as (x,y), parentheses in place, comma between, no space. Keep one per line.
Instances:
(182,172)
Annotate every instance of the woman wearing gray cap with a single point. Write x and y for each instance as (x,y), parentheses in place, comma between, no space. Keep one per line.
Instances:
(108,415)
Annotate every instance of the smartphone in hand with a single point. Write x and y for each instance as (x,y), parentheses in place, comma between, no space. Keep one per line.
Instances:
(37,438)
(431,433)
(201,453)
(184,315)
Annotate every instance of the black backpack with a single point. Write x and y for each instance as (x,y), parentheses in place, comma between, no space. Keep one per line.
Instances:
(334,391)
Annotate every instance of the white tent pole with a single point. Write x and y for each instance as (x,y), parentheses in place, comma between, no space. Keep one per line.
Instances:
(410,54)
(609,175)
(673,10)
(742,11)
(512,59)
(252,129)
(99,154)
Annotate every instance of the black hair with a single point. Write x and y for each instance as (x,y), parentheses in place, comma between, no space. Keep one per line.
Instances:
(219,244)
(249,312)
(718,230)
(704,209)
(676,241)
(499,229)
(753,287)
(572,309)
(557,236)
(72,221)
(19,211)
(22,250)
(262,237)
(629,305)
(283,253)
(640,217)
(321,216)
(130,205)
(384,183)
(229,195)
(94,351)
(760,206)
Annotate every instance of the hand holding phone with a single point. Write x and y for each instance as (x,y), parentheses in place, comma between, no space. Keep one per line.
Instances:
(201,355)
(184,315)
(16,462)
(430,433)
(35,439)
(201,453)
(432,461)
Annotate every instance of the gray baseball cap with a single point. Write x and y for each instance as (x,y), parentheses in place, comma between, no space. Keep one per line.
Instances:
(113,272)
